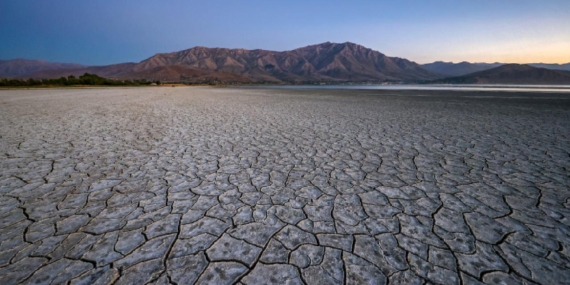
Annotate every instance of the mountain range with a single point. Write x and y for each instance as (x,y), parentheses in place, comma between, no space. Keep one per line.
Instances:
(511,74)
(325,62)
(322,62)
(464,68)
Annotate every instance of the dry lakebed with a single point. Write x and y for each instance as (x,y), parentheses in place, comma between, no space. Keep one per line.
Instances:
(204,185)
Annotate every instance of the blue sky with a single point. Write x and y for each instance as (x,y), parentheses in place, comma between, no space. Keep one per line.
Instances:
(104,32)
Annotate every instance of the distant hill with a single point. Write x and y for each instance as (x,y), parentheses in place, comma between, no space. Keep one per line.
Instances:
(458,69)
(326,61)
(116,71)
(511,74)
(164,73)
(565,66)
(19,67)
(464,68)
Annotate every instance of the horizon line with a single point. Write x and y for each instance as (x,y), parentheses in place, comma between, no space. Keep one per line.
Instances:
(288,50)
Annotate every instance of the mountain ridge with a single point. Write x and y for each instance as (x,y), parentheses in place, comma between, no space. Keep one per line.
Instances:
(465,67)
(331,62)
(326,61)
(510,74)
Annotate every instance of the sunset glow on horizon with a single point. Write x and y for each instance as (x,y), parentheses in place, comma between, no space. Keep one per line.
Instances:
(549,53)
(524,31)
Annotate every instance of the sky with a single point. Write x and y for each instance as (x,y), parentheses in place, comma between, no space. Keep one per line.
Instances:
(106,32)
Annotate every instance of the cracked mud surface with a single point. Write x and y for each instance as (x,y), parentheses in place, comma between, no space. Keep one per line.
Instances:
(253,186)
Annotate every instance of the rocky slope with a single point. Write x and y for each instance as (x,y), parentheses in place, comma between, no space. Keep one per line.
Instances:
(326,61)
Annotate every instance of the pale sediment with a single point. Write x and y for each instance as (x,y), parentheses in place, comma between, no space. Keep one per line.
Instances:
(255,186)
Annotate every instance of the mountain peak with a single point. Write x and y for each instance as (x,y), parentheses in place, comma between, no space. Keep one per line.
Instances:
(326,61)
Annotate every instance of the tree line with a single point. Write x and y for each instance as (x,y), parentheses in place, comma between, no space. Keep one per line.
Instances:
(85,79)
